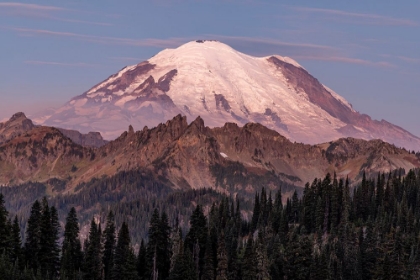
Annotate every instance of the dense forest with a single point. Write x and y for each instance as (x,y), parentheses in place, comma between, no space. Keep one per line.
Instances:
(329,232)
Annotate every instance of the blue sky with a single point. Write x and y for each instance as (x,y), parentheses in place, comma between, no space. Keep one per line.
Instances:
(368,52)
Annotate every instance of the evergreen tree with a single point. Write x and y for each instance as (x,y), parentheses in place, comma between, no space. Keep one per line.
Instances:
(4,227)
(249,260)
(255,213)
(297,257)
(184,267)
(109,246)
(48,241)
(33,237)
(71,253)
(141,261)
(197,235)
(93,258)
(262,264)
(125,261)
(222,260)
(16,255)
(158,249)
(54,260)
(208,270)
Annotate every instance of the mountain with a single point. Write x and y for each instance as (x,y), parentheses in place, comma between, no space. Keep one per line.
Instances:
(19,124)
(15,126)
(211,80)
(193,156)
(90,139)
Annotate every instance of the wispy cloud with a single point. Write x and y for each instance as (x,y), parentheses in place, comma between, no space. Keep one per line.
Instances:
(263,46)
(268,41)
(407,59)
(23,6)
(266,46)
(349,60)
(76,64)
(44,12)
(410,59)
(80,21)
(126,58)
(148,42)
(360,18)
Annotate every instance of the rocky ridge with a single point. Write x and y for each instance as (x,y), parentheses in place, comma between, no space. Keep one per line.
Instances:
(191,155)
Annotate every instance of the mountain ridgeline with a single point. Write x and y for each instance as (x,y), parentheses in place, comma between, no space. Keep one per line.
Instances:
(179,155)
(327,233)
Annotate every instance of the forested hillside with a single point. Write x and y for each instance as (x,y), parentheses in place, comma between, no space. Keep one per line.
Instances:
(330,232)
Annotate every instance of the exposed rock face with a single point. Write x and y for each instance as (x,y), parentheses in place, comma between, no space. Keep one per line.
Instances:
(15,126)
(19,124)
(231,158)
(91,139)
(212,80)
(39,154)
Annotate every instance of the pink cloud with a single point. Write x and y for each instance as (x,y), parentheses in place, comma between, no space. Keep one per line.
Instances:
(268,41)
(23,6)
(41,11)
(165,43)
(349,60)
(361,18)
(77,64)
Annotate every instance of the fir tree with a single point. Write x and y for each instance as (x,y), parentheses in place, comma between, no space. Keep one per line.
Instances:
(208,270)
(33,237)
(249,260)
(4,228)
(109,246)
(197,235)
(16,255)
(222,260)
(124,262)
(184,268)
(93,257)
(141,261)
(71,255)
(158,249)
(54,260)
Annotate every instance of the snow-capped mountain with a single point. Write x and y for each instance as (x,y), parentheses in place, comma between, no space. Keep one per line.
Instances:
(214,81)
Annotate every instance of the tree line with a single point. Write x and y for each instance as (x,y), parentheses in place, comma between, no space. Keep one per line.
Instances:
(329,232)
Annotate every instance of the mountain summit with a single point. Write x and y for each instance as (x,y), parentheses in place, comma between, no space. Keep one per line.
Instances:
(214,81)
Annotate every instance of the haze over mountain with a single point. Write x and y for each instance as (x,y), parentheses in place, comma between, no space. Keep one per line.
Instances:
(214,81)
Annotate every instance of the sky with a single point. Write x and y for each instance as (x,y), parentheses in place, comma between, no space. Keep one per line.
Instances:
(368,52)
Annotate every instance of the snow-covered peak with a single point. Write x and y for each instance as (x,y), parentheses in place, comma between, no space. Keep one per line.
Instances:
(212,80)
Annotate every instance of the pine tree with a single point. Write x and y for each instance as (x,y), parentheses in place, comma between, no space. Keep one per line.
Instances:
(46,240)
(141,261)
(184,268)
(276,267)
(54,265)
(249,260)
(4,227)
(197,235)
(158,249)
(222,260)
(297,258)
(71,255)
(208,270)
(33,237)
(255,213)
(109,246)
(124,262)
(16,255)
(93,257)
(262,264)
